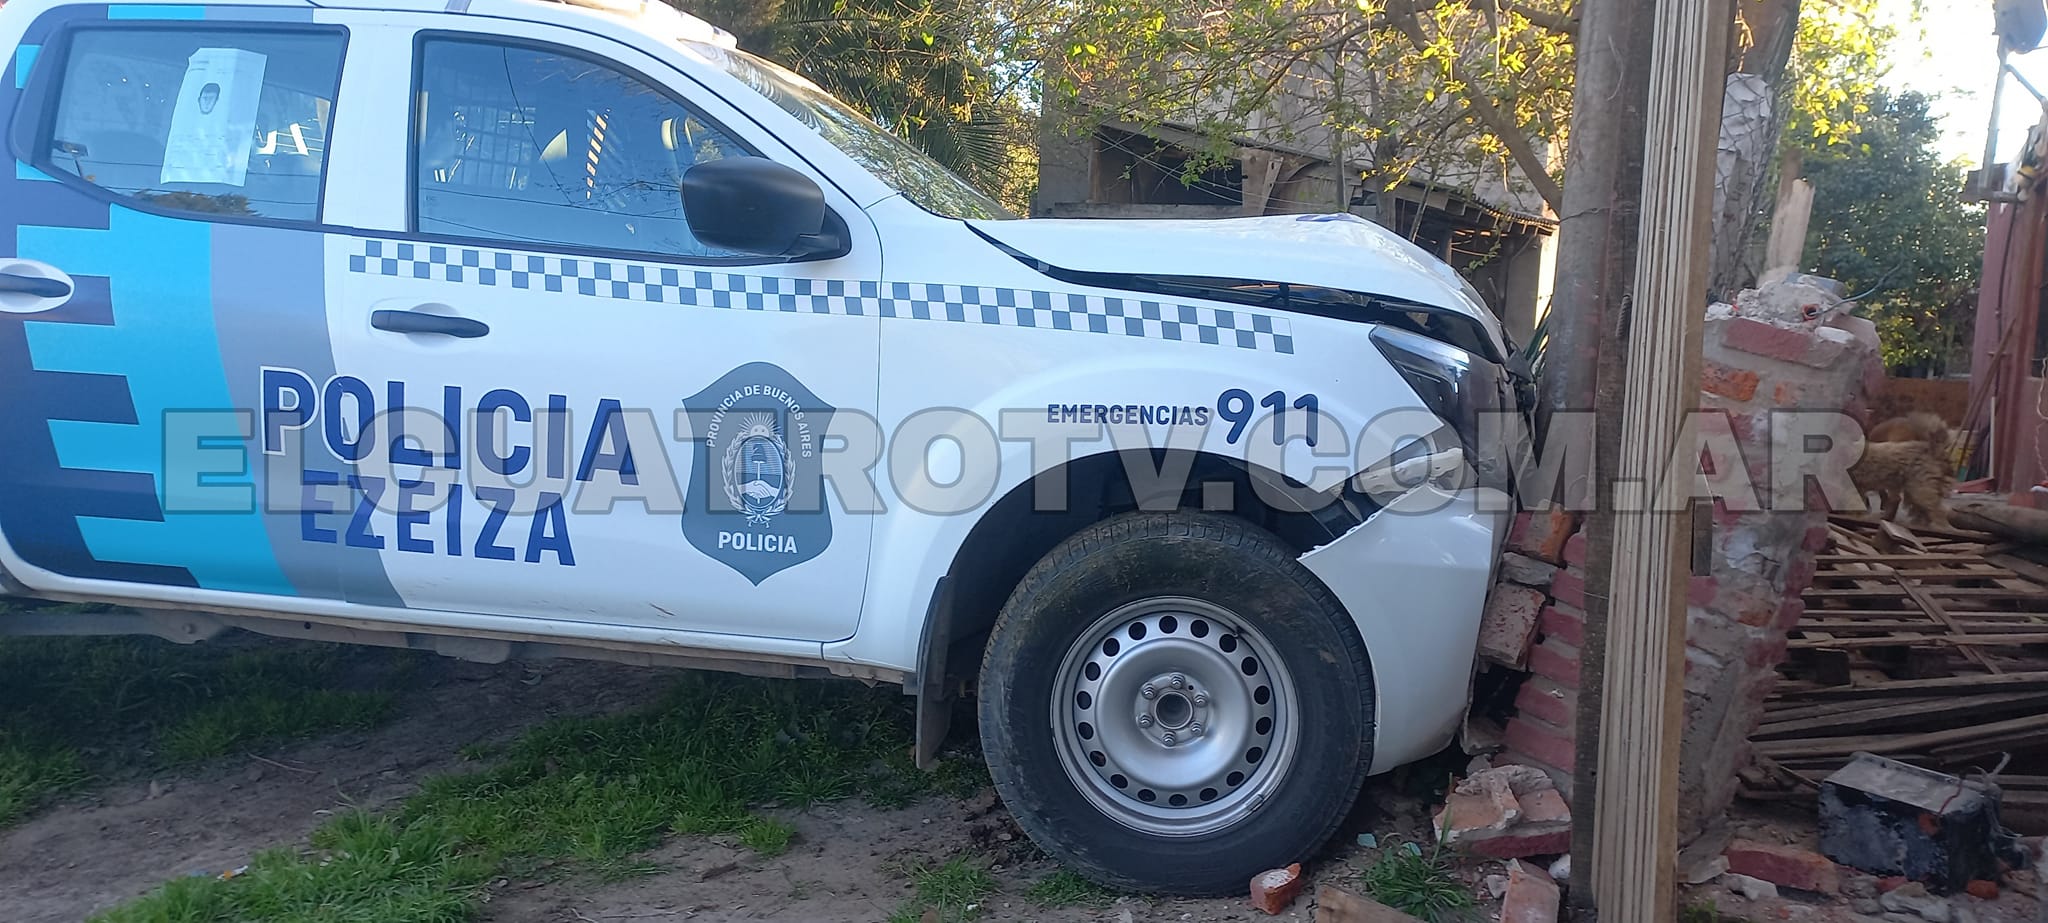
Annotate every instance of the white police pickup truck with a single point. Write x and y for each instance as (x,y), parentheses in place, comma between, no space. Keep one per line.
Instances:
(509,328)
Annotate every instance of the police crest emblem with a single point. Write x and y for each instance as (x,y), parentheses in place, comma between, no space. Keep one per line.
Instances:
(756,501)
(756,470)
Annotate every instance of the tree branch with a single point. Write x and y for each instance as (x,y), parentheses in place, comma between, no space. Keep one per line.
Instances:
(1566,23)
(1489,115)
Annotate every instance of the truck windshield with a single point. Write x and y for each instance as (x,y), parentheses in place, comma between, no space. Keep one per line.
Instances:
(894,161)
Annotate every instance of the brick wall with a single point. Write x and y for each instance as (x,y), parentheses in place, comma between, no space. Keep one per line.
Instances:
(1765,354)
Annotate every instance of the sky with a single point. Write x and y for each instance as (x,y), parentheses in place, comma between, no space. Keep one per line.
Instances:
(1950,51)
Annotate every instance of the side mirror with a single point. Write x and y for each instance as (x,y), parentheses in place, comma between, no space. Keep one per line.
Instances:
(757,206)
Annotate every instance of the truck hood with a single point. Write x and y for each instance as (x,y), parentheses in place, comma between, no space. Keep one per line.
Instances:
(1342,252)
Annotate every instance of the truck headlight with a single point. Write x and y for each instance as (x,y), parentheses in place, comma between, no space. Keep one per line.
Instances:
(1460,389)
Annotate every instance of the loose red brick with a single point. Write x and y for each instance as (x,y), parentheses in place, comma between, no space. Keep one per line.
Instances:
(1518,845)
(1541,743)
(1736,384)
(1273,890)
(1541,698)
(1476,815)
(1564,622)
(1509,624)
(1556,660)
(1527,571)
(1545,806)
(1569,587)
(1982,889)
(1575,549)
(1531,896)
(1782,343)
(1542,533)
(1787,866)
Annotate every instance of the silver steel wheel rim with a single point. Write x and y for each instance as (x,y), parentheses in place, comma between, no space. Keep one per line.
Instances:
(1173,717)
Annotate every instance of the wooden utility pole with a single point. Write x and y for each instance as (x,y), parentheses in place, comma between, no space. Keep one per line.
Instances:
(1596,264)
(1634,854)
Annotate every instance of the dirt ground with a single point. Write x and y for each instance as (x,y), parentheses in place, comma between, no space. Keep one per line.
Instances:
(117,842)
(121,840)
(849,862)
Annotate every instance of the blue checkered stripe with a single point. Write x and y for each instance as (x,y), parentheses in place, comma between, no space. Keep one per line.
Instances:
(959,304)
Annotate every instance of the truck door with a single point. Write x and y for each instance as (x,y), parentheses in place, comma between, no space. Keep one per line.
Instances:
(545,311)
(161,240)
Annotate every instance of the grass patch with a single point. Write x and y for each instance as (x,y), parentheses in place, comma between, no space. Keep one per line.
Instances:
(1065,888)
(584,796)
(78,707)
(767,836)
(29,774)
(1418,882)
(220,728)
(955,888)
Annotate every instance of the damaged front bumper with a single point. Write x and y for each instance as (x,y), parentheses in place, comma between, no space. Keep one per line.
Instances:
(1414,577)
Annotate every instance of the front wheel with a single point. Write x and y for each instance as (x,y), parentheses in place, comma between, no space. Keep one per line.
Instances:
(1172,703)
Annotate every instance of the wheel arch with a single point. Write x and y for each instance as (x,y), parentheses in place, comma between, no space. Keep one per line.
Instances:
(1012,536)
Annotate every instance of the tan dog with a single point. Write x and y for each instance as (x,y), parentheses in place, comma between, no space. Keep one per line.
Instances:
(1906,462)
(1918,426)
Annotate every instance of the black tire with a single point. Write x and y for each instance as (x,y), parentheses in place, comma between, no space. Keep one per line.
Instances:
(1126,561)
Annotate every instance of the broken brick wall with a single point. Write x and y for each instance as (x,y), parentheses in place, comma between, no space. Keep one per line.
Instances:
(1785,348)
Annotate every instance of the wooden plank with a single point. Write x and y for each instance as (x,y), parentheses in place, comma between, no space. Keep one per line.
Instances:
(2010,682)
(1961,613)
(1894,743)
(1923,639)
(1973,592)
(1631,855)
(2021,566)
(1836,626)
(1933,608)
(1899,536)
(1991,745)
(1923,532)
(1851,542)
(1943,574)
(1822,766)
(1897,716)
(1779,709)
(1929,558)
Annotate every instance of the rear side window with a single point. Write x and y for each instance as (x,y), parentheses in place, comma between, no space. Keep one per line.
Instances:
(539,146)
(215,121)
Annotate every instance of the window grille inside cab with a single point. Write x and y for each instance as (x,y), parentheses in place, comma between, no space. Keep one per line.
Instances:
(531,144)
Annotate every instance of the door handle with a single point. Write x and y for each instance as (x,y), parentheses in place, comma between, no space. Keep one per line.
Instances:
(420,322)
(34,286)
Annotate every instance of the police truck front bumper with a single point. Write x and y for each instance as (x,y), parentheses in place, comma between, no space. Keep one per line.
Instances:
(1414,577)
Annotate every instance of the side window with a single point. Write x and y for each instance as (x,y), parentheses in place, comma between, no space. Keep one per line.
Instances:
(201,120)
(523,144)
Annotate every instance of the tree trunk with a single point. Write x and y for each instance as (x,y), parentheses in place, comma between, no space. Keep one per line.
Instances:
(1770,26)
